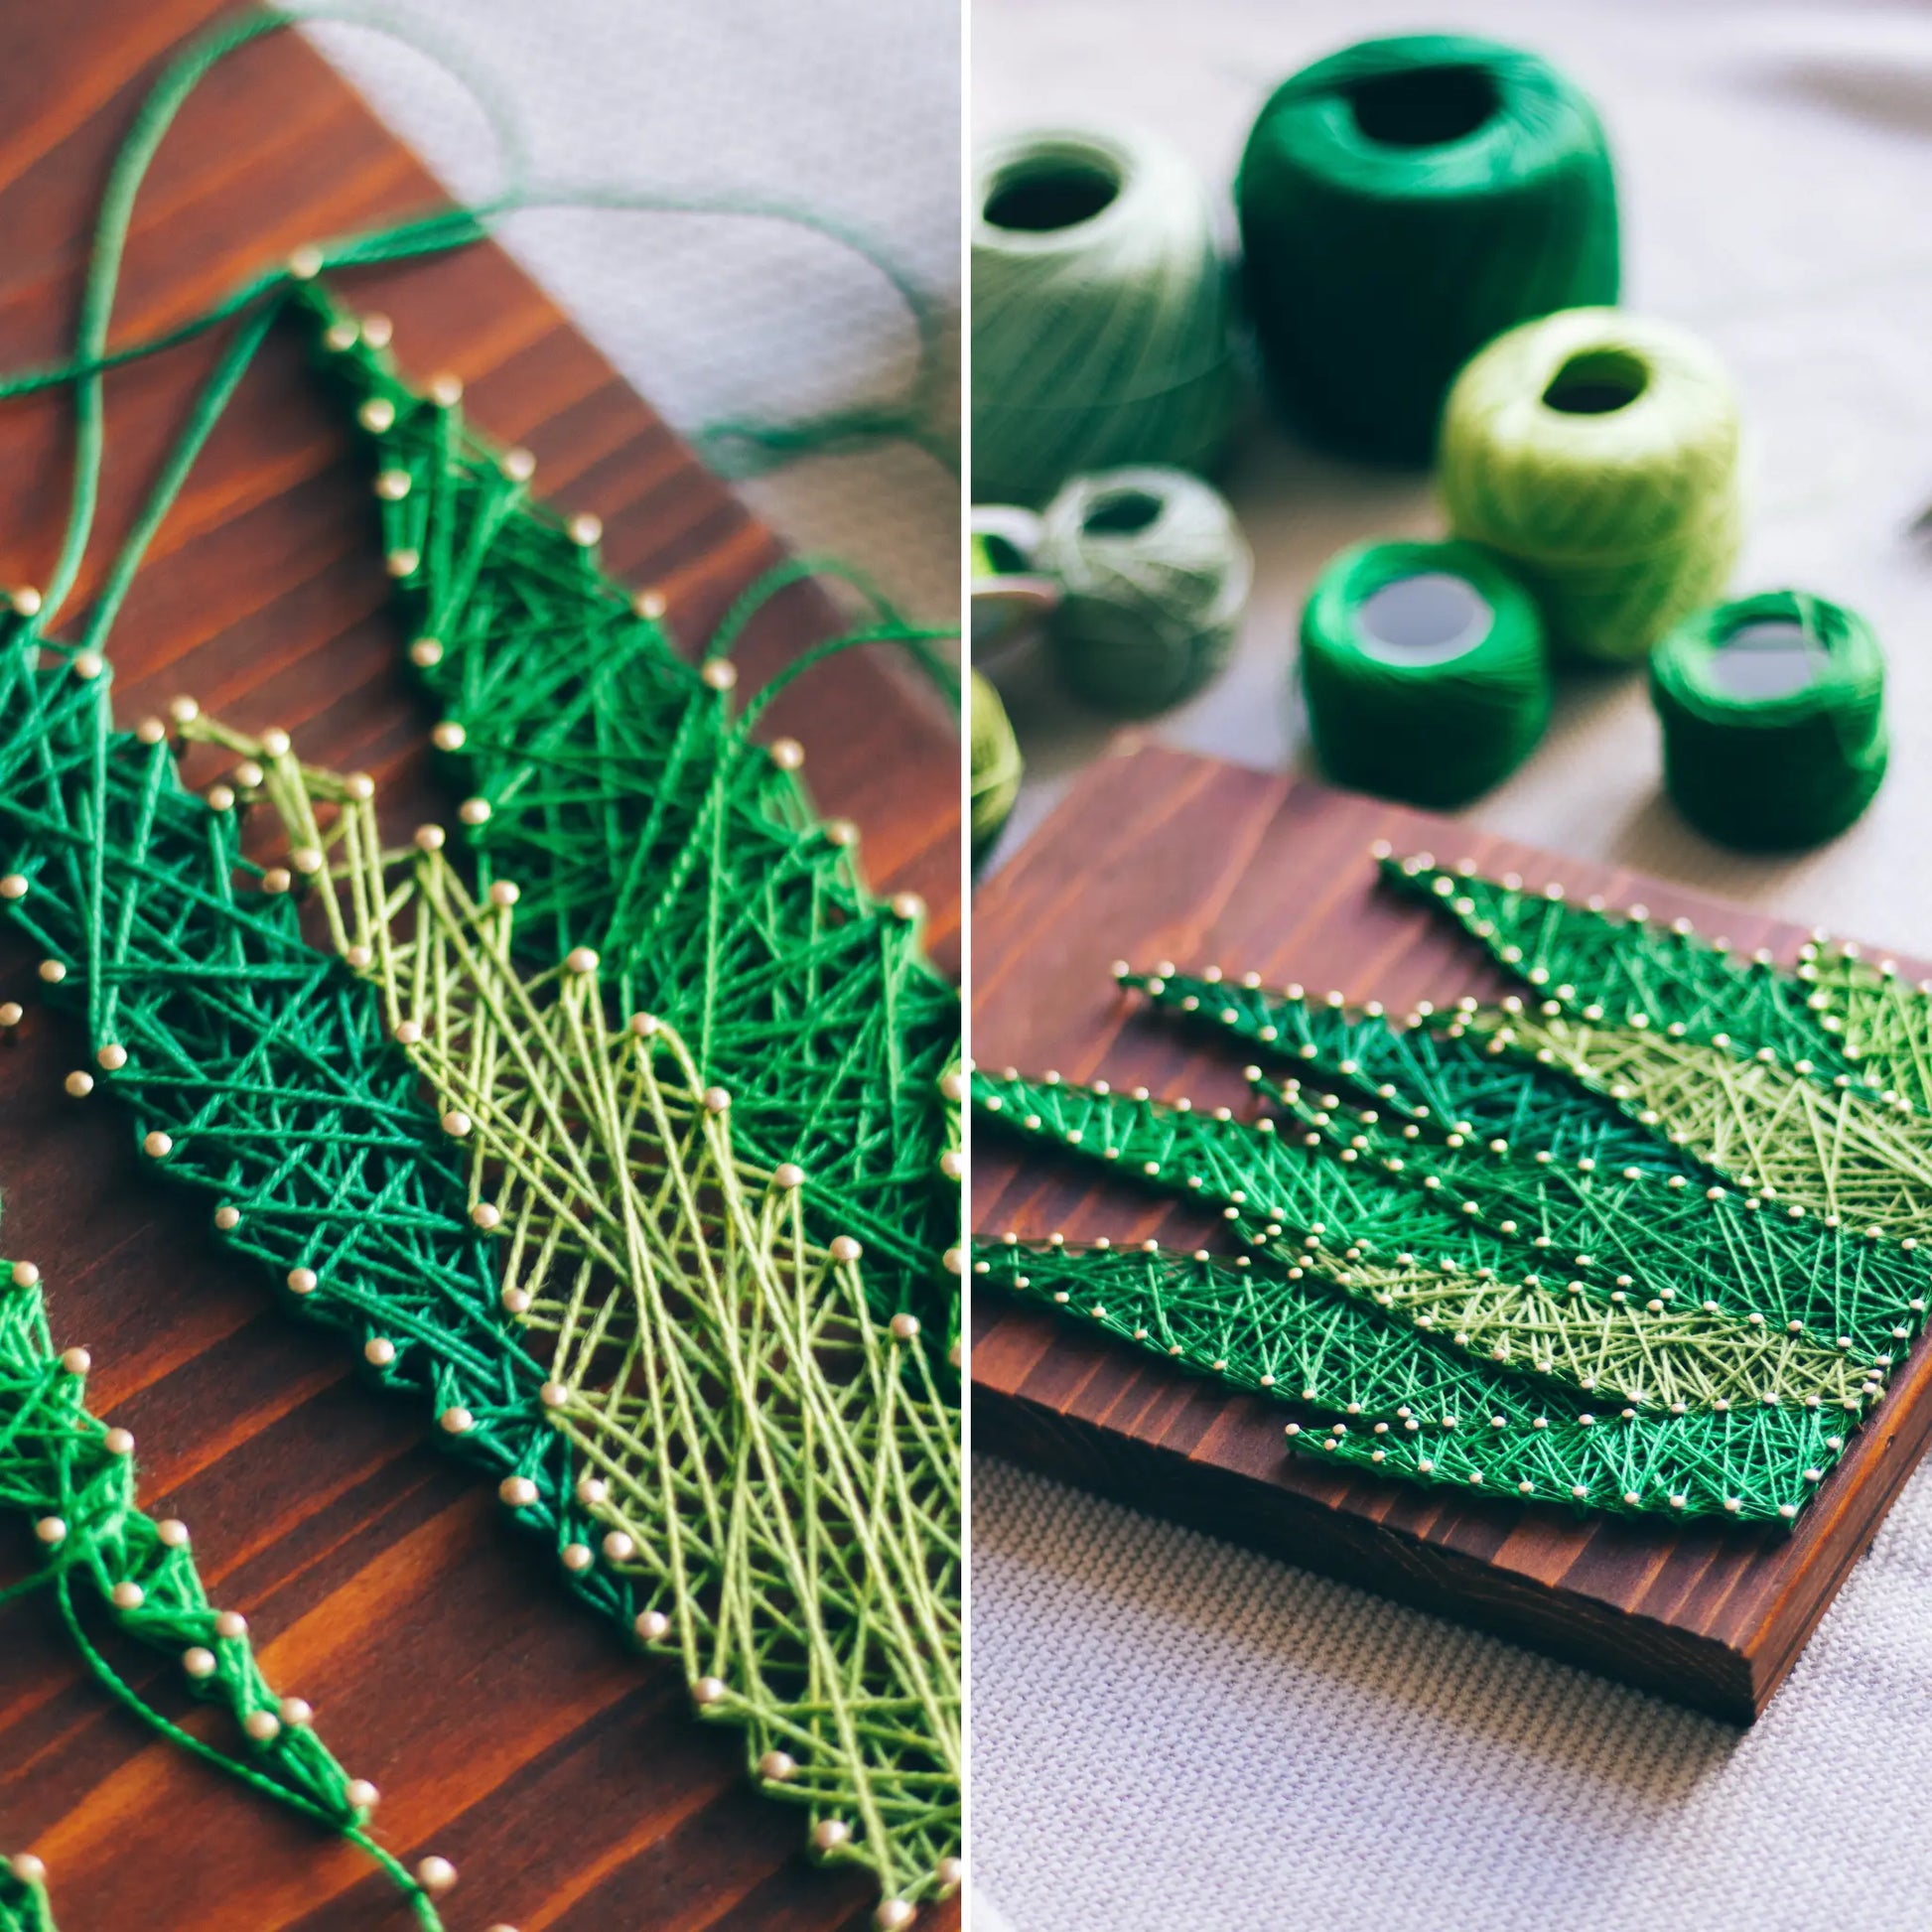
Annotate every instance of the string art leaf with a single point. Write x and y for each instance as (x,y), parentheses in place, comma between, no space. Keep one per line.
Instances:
(1882,1021)
(1613,1263)
(607,779)
(529,1194)
(1748,1065)
(769,1470)
(74,1477)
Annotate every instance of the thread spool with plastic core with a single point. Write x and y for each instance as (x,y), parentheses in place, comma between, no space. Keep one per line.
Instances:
(1010,600)
(1424,669)
(1597,452)
(1102,312)
(1401,202)
(1772,712)
(996,763)
(1154,574)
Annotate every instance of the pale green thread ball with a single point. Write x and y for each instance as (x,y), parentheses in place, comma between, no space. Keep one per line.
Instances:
(1154,574)
(1102,311)
(997,767)
(1597,452)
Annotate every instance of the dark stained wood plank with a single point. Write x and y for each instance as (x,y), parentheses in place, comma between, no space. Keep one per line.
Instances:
(510,1728)
(1158,855)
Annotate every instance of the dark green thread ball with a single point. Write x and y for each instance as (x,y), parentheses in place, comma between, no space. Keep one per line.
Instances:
(1401,203)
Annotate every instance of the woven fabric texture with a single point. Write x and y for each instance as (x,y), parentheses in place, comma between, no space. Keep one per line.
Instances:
(851,109)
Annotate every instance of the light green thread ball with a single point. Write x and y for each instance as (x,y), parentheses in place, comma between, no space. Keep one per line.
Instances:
(1154,574)
(1597,452)
(997,767)
(1452,708)
(1101,313)
(1772,711)
(1401,202)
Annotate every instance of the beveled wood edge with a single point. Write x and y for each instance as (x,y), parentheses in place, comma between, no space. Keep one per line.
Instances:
(1748,1646)
(1280,1521)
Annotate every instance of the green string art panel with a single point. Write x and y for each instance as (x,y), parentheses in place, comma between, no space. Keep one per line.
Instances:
(1642,1238)
(620,1124)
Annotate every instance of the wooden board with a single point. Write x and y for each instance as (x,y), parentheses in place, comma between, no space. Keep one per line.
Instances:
(510,1728)
(1161,856)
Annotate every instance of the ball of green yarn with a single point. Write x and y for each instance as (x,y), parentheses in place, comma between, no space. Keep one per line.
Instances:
(1597,452)
(1101,313)
(997,767)
(1154,576)
(1772,709)
(1424,671)
(1404,201)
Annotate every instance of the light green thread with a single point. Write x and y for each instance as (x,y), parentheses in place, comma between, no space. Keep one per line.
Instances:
(1344,1206)
(612,785)
(1666,1256)
(772,1469)
(1883,1021)
(1396,1403)
(637,814)
(1575,1170)
(307,1135)
(1600,965)
(1835,1151)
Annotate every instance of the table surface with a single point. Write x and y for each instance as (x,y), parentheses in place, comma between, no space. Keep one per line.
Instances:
(1159,1718)
(510,1730)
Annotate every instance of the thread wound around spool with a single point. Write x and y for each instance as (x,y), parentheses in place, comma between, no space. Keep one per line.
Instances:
(1010,600)
(1597,451)
(996,763)
(1772,712)
(1423,670)
(1154,574)
(1401,202)
(1101,312)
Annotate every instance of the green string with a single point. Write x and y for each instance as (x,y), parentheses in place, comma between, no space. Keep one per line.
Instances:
(1646,1240)
(74,1478)
(769,1468)
(409,238)
(634,810)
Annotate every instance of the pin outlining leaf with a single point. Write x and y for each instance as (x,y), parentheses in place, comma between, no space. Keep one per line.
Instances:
(771,1469)
(1837,1151)
(1577,1170)
(1478,1280)
(611,784)
(1882,1019)
(1441,1084)
(262,1071)
(1584,956)
(814,1602)
(24,1906)
(72,1476)
(1659,1223)
(1397,1403)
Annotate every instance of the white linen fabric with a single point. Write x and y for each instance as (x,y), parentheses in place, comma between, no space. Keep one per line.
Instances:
(851,109)
(1169,1732)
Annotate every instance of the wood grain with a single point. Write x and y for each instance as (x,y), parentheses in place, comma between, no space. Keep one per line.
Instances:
(510,1729)
(1161,856)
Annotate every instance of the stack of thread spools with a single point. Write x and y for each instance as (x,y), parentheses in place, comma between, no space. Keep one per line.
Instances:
(1430,270)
